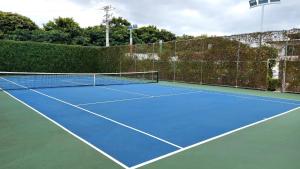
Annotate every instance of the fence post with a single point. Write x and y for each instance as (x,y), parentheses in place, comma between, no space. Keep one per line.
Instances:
(174,62)
(201,72)
(267,80)
(237,65)
(284,76)
(120,62)
(153,56)
(283,80)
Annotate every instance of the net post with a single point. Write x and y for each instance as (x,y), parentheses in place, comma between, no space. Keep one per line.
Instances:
(157,77)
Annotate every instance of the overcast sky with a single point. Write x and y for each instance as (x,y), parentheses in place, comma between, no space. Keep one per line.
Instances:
(193,17)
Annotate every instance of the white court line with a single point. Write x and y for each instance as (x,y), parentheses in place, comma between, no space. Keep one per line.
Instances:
(200,143)
(98,115)
(202,91)
(250,98)
(186,93)
(113,101)
(253,97)
(75,82)
(212,139)
(109,119)
(138,98)
(123,91)
(68,131)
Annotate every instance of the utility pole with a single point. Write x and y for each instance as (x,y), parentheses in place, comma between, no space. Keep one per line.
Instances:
(107,18)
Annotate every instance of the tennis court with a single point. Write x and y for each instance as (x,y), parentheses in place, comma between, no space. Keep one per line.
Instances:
(133,120)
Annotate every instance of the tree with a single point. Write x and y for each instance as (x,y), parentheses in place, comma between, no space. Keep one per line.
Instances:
(95,35)
(67,26)
(67,31)
(11,22)
(150,34)
(53,36)
(166,35)
(119,22)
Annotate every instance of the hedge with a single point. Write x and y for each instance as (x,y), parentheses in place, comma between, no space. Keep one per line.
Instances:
(43,57)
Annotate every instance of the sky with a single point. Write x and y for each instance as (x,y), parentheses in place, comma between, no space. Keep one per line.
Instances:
(190,17)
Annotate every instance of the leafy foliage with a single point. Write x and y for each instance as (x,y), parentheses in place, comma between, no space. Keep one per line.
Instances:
(150,34)
(294,36)
(66,25)
(95,35)
(293,76)
(11,22)
(43,57)
(67,31)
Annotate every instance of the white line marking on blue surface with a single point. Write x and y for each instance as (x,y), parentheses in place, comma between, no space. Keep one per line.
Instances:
(98,115)
(187,93)
(166,155)
(125,91)
(73,134)
(76,82)
(109,119)
(212,139)
(251,98)
(112,89)
(138,98)
(113,101)
(245,96)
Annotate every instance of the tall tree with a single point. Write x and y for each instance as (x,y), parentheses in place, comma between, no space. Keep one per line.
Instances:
(150,34)
(119,22)
(95,35)
(66,26)
(11,22)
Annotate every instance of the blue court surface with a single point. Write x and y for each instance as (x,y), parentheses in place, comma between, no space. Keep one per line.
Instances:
(133,124)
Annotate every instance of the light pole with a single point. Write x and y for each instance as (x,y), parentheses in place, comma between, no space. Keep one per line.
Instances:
(262,3)
(131,28)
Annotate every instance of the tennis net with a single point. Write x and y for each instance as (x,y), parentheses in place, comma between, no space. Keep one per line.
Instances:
(33,80)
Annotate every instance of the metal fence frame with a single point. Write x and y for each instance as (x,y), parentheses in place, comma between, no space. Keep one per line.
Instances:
(168,67)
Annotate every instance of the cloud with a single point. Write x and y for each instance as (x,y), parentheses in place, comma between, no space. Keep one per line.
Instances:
(193,17)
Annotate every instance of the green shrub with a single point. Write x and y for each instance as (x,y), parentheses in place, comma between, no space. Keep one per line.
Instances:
(274,84)
(44,57)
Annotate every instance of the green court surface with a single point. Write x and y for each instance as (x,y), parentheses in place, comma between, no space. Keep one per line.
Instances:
(28,140)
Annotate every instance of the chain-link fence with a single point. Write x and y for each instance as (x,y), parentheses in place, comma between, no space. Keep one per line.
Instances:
(215,61)
(290,67)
